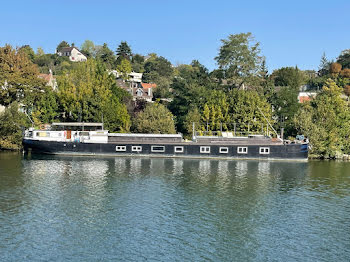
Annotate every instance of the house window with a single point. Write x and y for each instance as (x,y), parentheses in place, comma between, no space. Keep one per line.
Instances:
(120,148)
(179,149)
(264,150)
(205,149)
(136,148)
(158,148)
(223,150)
(242,150)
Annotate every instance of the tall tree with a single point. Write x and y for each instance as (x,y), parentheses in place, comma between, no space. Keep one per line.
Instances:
(106,55)
(124,68)
(88,48)
(26,49)
(61,45)
(344,58)
(18,77)
(123,51)
(239,57)
(86,94)
(289,76)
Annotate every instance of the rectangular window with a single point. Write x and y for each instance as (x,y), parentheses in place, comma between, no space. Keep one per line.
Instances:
(179,149)
(120,148)
(264,150)
(158,148)
(205,149)
(136,148)
(242,150)
(223,150)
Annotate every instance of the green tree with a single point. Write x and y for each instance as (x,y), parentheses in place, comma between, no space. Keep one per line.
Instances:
(156,118)
(239,57)
(106,55)
(26,49)
(344,58)
(18,78)
(156,67)
(88,48)
(11,123)
(124,68)
(86,94)
(61,45)
(39,52)
(137,63)
(326,121)
(123,52)
(46,108)
(289,76)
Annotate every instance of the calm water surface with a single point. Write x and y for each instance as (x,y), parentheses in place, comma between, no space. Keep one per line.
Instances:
(136,209)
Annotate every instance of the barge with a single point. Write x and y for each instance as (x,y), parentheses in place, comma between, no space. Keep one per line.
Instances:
(92,139)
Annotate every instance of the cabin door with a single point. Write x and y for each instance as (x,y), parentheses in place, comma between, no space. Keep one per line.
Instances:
(69,134)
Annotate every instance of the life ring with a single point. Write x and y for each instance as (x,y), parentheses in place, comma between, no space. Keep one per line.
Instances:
(42,127)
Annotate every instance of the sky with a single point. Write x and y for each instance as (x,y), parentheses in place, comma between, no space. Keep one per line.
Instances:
(291,33)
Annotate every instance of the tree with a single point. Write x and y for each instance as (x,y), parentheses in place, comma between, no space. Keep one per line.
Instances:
(137,63)
(344,58)
(239,57)
(18,78)
(326,121)
(40,52)
(335,69)
(88,48)
(324,66)
(46,108)
(157,67)
(124,68)
(123,51)
(26,49)
(156,119)
(86,94)
(61,45)
(289,76)
(11,123)
(106,55)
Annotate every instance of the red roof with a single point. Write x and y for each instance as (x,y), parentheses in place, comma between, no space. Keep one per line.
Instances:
(148,85)
(303,99)
(46,77)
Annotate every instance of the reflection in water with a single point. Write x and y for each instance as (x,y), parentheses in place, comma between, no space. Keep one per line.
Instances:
(69,208)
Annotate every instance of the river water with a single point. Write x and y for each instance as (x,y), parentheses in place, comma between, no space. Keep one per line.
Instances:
(56,208)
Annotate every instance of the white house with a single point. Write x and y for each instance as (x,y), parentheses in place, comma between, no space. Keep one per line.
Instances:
(73,53)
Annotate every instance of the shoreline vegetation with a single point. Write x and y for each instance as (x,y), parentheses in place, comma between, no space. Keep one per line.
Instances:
(241,91)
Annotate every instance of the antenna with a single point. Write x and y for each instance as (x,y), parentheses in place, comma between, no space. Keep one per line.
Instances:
(268,122)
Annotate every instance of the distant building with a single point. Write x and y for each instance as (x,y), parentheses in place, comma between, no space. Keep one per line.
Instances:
(73,53)
(306,96)
(50,80)
(134,85)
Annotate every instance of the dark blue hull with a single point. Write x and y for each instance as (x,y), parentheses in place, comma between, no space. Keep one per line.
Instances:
(191,150)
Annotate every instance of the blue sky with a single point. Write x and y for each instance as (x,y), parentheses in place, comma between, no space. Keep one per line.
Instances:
(290,32)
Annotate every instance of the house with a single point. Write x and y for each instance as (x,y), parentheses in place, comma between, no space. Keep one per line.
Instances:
(306,96)
(50,80)
(134,85)
(73,53)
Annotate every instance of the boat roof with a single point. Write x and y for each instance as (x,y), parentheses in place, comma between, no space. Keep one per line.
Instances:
(144,135)
(76,124)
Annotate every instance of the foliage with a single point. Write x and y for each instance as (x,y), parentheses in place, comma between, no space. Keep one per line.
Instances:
(46,108)
(18,78)
(106,56)
(88,48)
(85,94)
(156,67)
(123,52)
(61,45)
(156,118)
(39,52)
(289,76)
(344,58)
(239,56)
(137,63)
(26,49)
(11,124)
(326,121)
(124,68)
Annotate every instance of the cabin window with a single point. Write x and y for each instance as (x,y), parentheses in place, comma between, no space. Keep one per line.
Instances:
(264,150)
(223,150)
(136,148)
(158,148)
(242,150)
(120,148)
(205,149)
(179,149)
